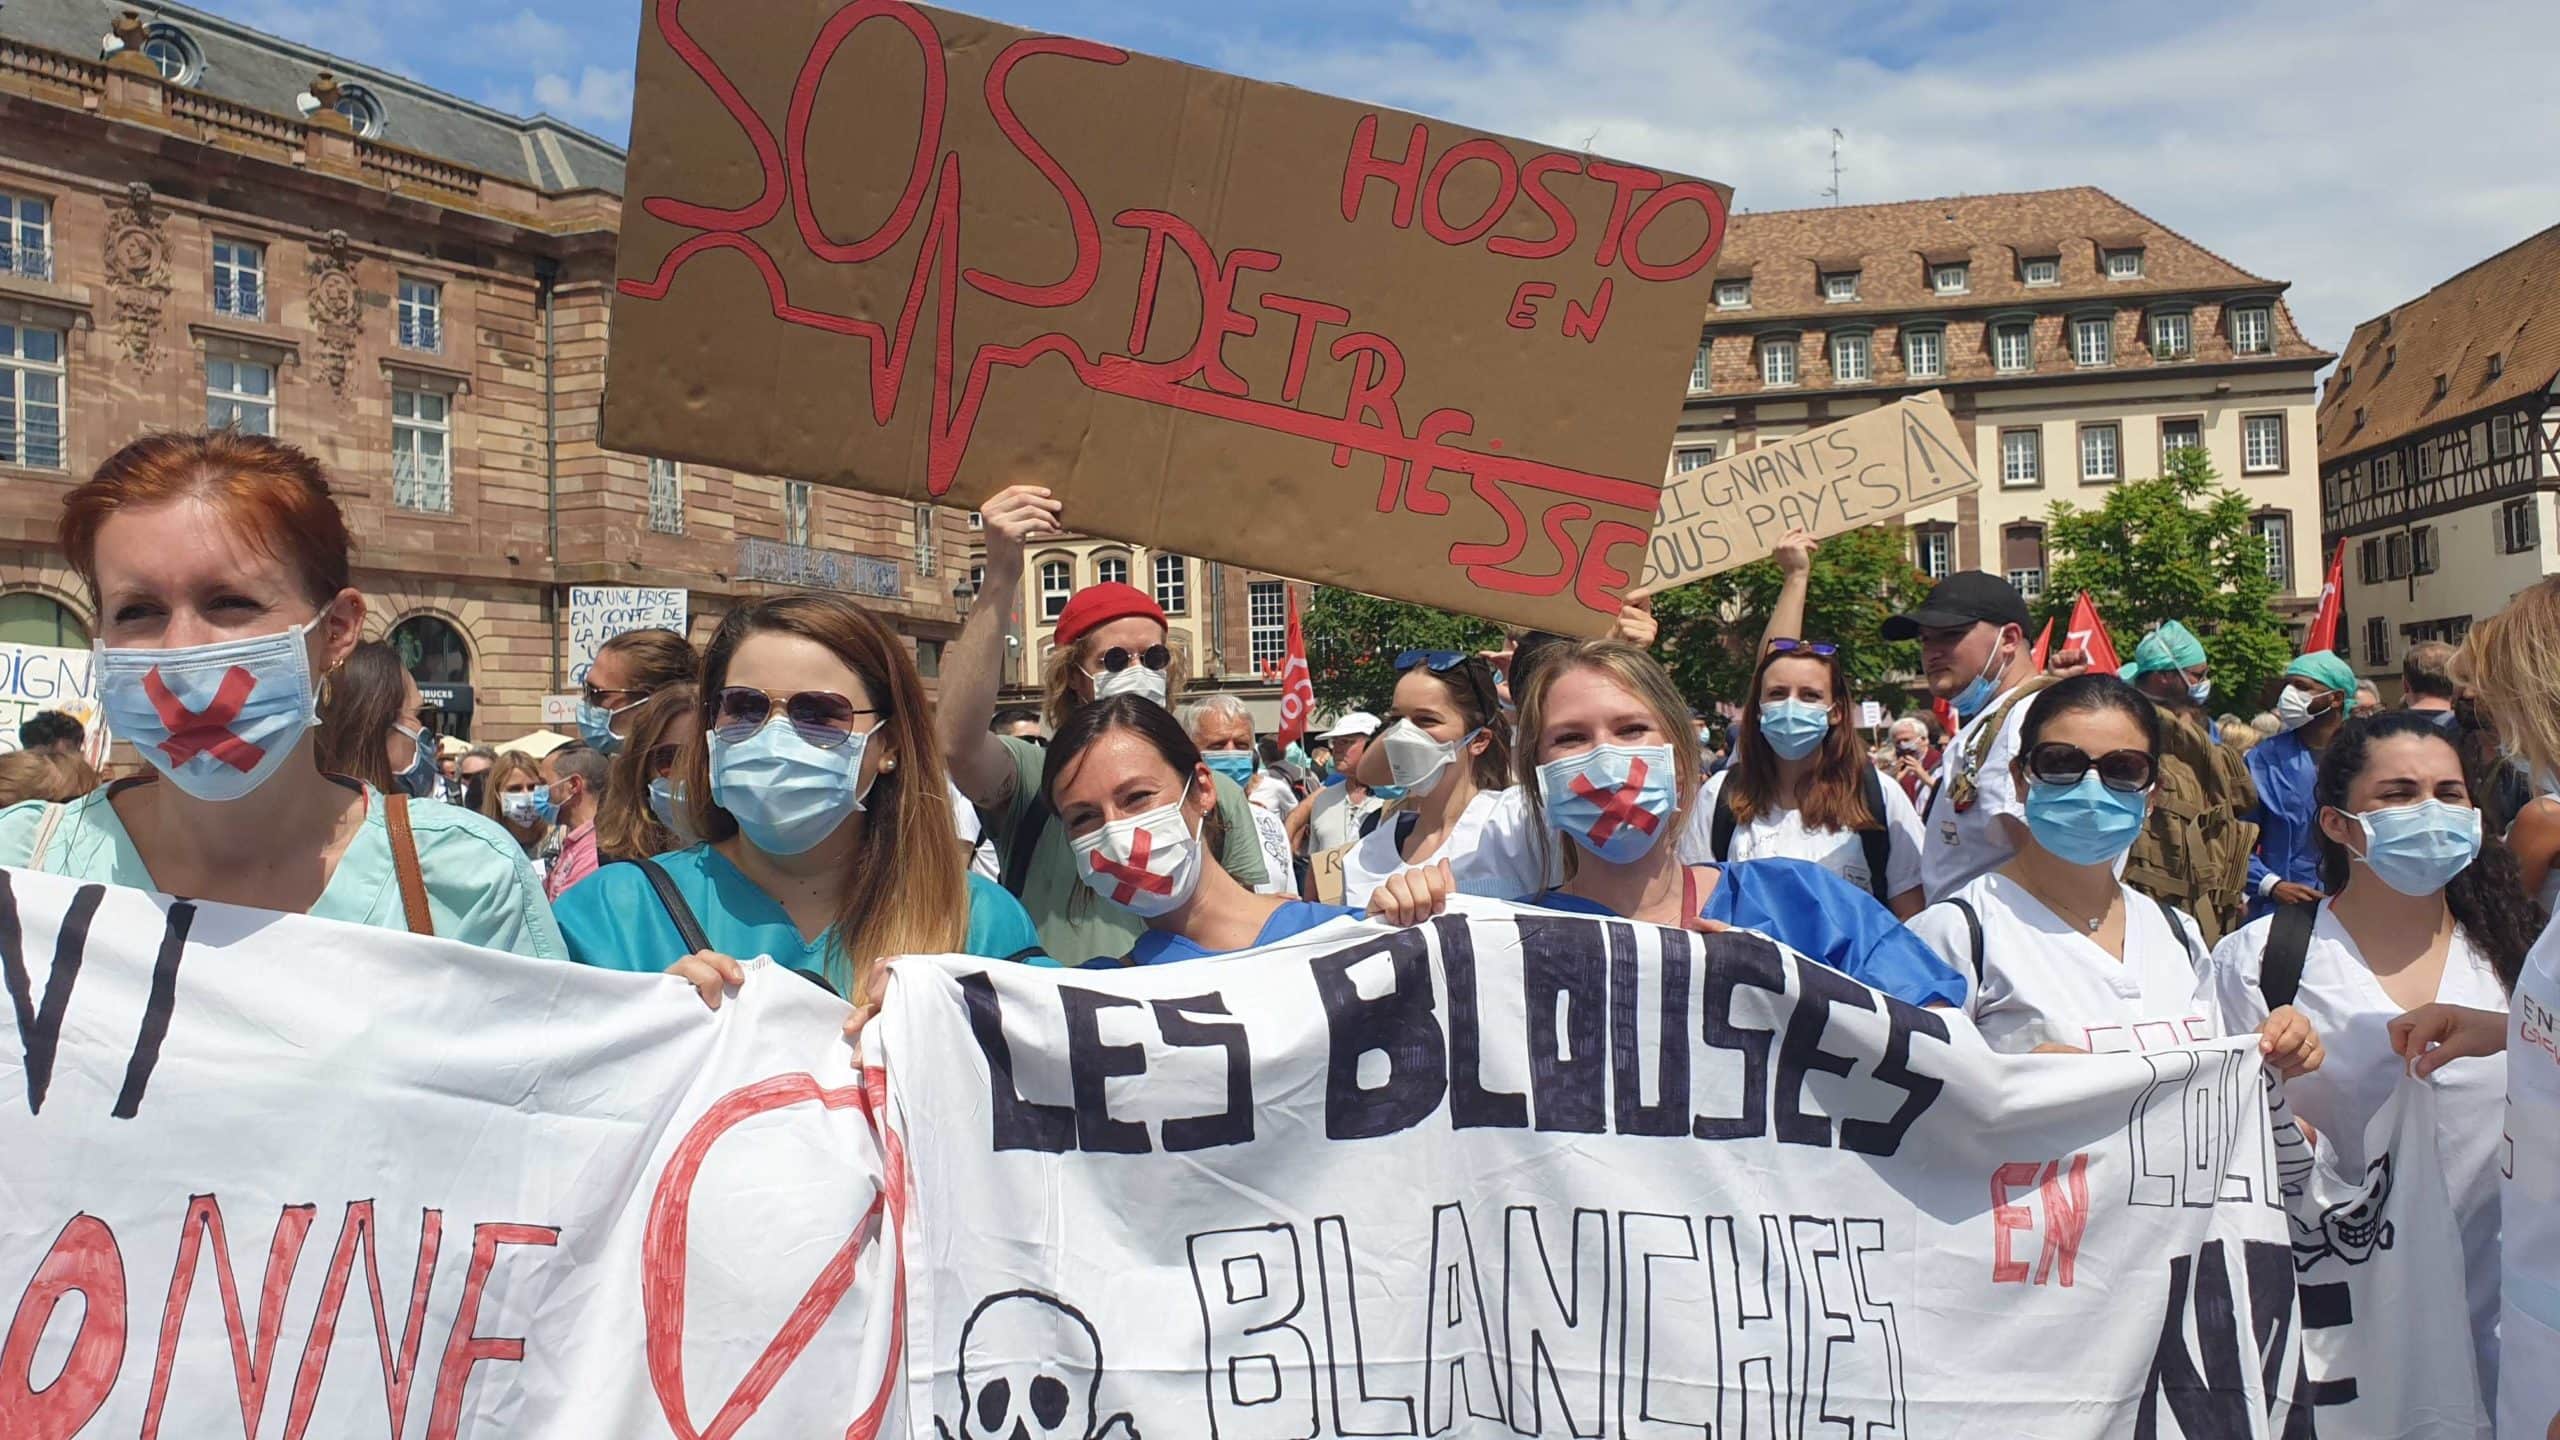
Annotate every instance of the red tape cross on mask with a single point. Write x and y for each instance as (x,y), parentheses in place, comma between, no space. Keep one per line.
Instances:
(1134,875)
(206,731)
(1619,804)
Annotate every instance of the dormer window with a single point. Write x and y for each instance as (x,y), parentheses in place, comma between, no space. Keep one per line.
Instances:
(2390,357)
(2359,417)
(2346,376)
(2252,330)
(2047,271)
(2124,264)
(2172,335)
(1839,286)
(1733,294)
(2443,385)
(2497,366)
(173,52)
(1949,279)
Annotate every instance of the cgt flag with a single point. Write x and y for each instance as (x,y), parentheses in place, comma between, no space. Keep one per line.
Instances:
(2088,635)
(1297,686)
(2333,595)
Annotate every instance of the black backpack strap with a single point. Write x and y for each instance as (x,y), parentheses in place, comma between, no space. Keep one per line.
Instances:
(1875,838)
(1023,841)
(1720,825)
(2288,946)
(688,928)
(1370,821)
(1973,928)
(2169,916)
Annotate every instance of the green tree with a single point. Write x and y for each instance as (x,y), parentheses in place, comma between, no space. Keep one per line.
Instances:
(1711,629)
(1353,640)
(2179,547)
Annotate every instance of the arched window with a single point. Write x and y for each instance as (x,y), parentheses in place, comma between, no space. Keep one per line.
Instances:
(362,109)
(435,656)
(173,52)
(1057,582)
(27,618)
(1111,568)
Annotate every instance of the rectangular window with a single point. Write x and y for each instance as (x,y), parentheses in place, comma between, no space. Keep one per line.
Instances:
(2100,454)
(2252,330)
(241,393)
(797,501)
(1778,361)
(2275,531)
(2013,347)
(1849,361)
(1173,584)
(1111,569)
(1733,294)
(30,397)
(2422,550)
(1057,582)
(1839,286)
(2395,556)
(2172,335)
(1924,353)
(2022,556)
(666,497)
(2369,561)
(1700,374)
(240,279)
(420,314)
(2262,444)
(1692,457)
(928,557)
(2177,435)
(2377,641)
(2042,272)
(2093,340)
(2021,459)
(2502,436)
(422,451)
(1947,279)
(26,237)
(1267,614)
(2124,264)
(2520,525)
(1937,557)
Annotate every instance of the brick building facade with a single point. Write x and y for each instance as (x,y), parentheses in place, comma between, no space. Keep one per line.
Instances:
(202,225)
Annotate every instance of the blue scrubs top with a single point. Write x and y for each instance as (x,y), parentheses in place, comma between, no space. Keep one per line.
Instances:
(1163,947)
(1810,910)
(2283,769)
(613,920)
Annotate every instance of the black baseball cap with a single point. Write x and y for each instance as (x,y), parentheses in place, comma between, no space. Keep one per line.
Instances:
(1967,597)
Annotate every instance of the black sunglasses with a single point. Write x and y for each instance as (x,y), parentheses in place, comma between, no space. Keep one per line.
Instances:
(821,717)
(2055,763)
(1118,658)
(1789,645)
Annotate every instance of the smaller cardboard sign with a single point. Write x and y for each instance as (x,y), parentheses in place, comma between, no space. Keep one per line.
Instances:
(1325,868)
(37,678)
(1870,715)
(597,613)
(1865,470)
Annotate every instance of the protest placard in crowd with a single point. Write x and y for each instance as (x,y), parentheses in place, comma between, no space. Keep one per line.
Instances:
(597,613)
(37,678)
(932,256)
(1864,470)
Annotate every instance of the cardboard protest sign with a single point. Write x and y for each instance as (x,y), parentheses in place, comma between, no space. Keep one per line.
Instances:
(1861,471)
(933,256)
(37,678)
(597,613)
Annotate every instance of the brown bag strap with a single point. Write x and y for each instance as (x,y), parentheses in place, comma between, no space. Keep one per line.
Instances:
(404,864)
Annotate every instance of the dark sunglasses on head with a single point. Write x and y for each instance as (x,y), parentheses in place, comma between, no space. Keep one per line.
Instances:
(1438,662)
(1119,658)
(821,717)
(1789,645)
(2055,763)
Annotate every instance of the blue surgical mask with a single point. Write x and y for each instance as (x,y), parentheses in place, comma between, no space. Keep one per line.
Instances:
(420,778)
(2418,849)
(545,808)
(666,801)
(1978,695)
(1794,728)
(1236,765)
(595,726)
(2087,823)
(785,793)
(522,807)
(1614,800)
(2201,691)
(216,719)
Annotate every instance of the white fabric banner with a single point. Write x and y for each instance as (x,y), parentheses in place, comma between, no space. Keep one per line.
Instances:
(1517,1173)
(271,1176)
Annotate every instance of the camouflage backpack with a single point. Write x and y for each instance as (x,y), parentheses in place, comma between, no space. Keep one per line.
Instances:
(2194,848)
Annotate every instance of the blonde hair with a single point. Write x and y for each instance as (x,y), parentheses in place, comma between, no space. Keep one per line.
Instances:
(493,788)
(1057,676)
(44,775)
(625,825)
(2511,661)
(1640,675)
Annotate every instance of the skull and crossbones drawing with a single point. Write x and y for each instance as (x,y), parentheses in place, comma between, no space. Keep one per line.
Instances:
(2353,1229)
(1031,1369)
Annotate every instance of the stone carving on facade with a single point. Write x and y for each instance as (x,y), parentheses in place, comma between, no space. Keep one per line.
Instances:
(337,309)
(138,270)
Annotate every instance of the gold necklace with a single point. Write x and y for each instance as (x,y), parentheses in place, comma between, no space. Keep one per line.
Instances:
(2090,924)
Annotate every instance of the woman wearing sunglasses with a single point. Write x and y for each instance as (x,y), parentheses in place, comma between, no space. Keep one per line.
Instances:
(628,669)
(827,830)
(1111,639)
(2423,911)
(2061,955)
(218,564)
(1608,753)
(643,812)
(1444,760)
(1802,786)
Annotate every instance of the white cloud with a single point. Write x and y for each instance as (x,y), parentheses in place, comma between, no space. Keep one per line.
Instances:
(599,99)
(2362,151)
(524,39)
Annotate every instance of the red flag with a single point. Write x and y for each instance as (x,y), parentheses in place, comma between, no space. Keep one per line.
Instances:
(2333,598)
(2088,635)
(1297,685)
(1949,723)
(2044,643)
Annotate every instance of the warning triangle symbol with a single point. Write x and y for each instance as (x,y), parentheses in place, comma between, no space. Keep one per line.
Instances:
(1930,465)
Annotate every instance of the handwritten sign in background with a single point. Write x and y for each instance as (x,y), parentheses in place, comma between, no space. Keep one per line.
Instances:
(910,252)
(597,613)
(36,678)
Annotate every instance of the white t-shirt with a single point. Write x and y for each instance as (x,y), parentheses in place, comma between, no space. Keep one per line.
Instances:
(1280,872)
(2045,982)
(2347,1005)
(1958,845)
(1370,862)
(1270,792)
(1784,836)
(964,823)
(2529,1280)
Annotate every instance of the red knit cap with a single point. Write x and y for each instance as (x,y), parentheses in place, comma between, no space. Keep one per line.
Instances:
(1098,605)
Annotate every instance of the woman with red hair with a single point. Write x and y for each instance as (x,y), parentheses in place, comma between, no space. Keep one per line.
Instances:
(218,567)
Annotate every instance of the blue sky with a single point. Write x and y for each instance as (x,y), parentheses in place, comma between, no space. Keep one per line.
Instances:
(2361,149)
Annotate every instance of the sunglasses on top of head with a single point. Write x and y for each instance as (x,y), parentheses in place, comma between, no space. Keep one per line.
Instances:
(1441,662)
(1121,657)
(821,717)
(2055,763)
(1789,645)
